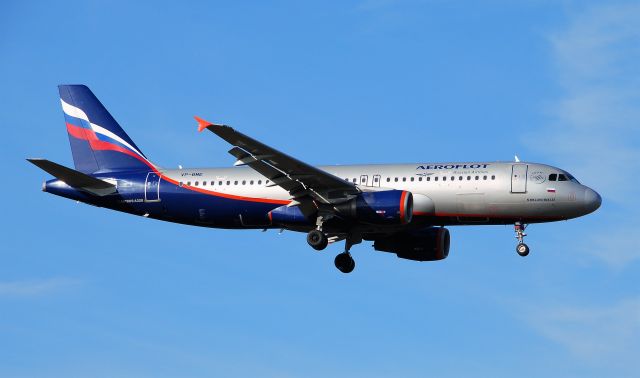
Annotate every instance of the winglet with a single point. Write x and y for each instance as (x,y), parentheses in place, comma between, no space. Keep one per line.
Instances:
(202,124)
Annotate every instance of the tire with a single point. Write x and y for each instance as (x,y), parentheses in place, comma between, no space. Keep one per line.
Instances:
(317,240)
(522,249)
(345,263)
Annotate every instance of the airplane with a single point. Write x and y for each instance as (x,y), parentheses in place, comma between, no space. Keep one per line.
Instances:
(402,208)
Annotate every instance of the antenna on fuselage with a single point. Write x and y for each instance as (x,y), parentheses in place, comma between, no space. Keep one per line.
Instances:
(517,159)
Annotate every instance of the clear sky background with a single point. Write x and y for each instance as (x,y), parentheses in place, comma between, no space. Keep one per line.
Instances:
(91,292)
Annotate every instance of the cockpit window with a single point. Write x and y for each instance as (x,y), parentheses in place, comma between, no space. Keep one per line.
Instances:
(553,177)
(562,177)
(572,179)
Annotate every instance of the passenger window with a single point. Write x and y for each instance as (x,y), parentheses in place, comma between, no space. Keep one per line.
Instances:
(266,182)
(213,183)
(395,179)
(420,178)
(435,178)
(189,183)
(244,182)
(453,178)
(228,182)
(477,177)
(412,178)
(493,177)
(204,183)
(428,178)
(180,183)
(259,182)
(444,178)
(562,177)
(235,182)
(553,177)
(219,182)
(251,182)
(354,181)
(460,178)
(388,179)
(484,177)
(375,179)
(404,179)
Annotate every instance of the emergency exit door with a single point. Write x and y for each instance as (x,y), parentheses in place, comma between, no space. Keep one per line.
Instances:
(519,178)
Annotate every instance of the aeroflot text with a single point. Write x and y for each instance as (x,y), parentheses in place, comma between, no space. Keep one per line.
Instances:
(453,166)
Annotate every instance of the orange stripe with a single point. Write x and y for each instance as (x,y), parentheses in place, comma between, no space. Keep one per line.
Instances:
(225,195)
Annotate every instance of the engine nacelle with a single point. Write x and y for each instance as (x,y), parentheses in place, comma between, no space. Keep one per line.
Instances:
(389,207)
(429,245)
(285,215)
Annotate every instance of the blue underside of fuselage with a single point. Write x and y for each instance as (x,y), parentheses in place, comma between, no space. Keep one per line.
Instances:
(180,204)
(173,203)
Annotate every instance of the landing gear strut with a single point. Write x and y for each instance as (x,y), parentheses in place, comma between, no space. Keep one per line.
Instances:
(344,262)
(521,248)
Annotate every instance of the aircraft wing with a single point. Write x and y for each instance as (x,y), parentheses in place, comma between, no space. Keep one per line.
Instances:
(300,179)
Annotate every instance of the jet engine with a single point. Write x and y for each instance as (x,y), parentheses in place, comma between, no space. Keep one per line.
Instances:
(388,207)
(429,245)
(385,208)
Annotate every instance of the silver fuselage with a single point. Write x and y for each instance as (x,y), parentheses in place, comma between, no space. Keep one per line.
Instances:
(446,193)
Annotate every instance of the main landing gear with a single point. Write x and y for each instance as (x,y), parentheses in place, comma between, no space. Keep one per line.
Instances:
(521,248)
(344,262)
(316,238)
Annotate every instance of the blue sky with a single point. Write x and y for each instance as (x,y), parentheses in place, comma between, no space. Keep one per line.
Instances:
(89,292)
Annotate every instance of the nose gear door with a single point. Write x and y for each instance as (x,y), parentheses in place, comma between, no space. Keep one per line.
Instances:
(519,178)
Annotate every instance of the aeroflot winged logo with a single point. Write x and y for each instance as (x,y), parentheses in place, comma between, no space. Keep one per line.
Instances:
(452,166)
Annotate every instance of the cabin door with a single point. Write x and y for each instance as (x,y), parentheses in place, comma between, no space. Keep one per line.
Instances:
(519,178)
(152,187)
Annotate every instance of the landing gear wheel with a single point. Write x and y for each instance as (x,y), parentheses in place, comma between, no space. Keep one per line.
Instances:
(345,263)
(522,249)
(317,240)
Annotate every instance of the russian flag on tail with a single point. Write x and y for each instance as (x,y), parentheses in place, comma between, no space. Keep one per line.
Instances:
(98,143)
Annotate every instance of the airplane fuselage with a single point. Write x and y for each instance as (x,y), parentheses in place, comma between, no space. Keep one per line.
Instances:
(444,193)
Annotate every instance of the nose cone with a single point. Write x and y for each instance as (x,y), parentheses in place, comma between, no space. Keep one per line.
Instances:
(592,200)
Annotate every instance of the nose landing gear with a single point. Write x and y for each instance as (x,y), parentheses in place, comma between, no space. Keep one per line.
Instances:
(521,248)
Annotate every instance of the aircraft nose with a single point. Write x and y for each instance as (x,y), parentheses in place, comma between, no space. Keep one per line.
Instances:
(592,200)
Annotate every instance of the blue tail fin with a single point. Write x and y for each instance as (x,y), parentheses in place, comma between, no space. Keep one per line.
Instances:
(98,143)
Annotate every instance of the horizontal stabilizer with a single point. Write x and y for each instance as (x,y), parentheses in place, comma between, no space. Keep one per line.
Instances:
(75,179)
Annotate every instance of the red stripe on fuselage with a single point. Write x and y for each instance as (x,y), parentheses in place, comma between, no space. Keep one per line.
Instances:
(225,195)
